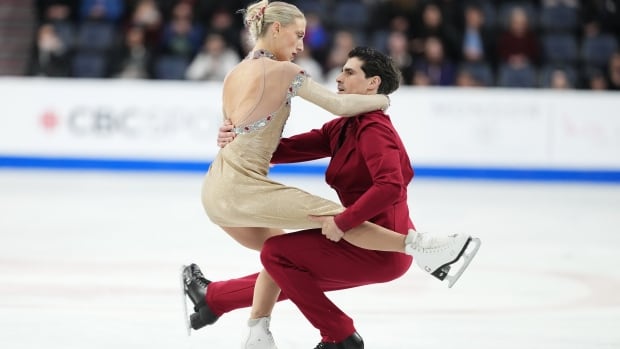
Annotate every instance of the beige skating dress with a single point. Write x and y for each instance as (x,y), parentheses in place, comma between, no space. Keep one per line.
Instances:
(237,191)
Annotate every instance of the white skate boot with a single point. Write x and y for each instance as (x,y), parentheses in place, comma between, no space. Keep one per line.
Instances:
(435,254)
(259,336)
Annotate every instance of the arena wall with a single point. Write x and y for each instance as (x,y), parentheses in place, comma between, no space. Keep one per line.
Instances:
(172,126)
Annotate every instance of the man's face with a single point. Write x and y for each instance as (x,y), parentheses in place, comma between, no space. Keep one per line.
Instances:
(352,80)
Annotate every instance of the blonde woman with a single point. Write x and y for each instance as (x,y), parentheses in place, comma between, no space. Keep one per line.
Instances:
(237,193)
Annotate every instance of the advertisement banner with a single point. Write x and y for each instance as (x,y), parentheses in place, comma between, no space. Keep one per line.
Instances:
(177,122)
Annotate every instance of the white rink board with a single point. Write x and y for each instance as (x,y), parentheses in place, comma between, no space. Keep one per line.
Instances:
(441,127)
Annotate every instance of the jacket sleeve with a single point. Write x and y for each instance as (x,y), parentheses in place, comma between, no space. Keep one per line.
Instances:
(376,144)
(302,147)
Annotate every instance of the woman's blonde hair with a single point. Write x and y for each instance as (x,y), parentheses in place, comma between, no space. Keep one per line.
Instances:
(260,15)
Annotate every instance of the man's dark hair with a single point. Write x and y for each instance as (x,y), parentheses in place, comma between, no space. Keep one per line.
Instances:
(379,64)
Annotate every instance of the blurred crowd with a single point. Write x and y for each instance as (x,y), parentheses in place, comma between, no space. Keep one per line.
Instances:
(540,43)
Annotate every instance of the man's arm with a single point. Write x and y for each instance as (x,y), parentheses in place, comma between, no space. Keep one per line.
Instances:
(302,147)
(225,134)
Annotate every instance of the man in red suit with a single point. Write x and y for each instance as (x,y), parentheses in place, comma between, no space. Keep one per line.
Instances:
(370,170)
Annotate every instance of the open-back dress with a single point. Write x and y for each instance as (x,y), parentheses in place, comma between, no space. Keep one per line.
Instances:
(237,191)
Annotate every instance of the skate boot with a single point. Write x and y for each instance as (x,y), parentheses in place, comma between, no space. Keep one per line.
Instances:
(259,336)
(195,288)
(435,254)
(354,341)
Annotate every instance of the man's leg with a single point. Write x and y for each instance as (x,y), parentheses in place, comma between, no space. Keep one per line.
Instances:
(212,299)
(305,264)
(224,296)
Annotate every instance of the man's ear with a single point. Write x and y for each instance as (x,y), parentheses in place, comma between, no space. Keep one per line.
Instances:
(375,82)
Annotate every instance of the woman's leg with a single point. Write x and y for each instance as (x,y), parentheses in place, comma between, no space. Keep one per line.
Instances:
(432,253)
(375,237)
(252,238)
(266,291)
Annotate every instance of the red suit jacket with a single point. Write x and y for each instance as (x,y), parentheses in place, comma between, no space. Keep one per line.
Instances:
(369,168)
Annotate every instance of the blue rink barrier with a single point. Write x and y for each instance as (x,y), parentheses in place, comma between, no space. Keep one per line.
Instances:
(421,171)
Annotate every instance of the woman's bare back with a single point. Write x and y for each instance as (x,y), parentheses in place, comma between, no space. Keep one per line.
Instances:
(254,89)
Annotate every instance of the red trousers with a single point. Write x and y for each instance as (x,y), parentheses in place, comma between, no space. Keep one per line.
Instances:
(305,265)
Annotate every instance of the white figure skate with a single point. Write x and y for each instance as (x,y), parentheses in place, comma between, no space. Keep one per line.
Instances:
(436,254)
(259,336)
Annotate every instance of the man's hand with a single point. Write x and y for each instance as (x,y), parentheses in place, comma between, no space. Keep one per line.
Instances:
(328,227)
(225,135)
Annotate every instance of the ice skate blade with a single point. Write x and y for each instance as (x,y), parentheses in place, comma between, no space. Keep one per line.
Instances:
(188,326)
(467,258)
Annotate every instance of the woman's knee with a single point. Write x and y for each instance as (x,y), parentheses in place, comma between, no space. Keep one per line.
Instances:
(252,238)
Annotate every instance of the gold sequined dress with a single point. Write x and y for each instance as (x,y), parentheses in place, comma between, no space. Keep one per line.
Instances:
(237,191)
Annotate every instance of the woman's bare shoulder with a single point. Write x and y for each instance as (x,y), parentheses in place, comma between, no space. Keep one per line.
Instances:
(249,74)
(291,68)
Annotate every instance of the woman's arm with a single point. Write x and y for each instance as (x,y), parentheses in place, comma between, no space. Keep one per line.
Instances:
(341,104)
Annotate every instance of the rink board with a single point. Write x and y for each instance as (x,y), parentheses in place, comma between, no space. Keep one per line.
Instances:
(171,126)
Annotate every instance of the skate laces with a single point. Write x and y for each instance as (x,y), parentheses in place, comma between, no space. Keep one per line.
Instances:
(431,244)
(259,333)
(268,331)
(195,274)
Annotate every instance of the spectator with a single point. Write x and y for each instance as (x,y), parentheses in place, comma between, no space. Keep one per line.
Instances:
(51,56)
(605,12)
(148,16)
(559,80)
(478,43)
(133,60)
(223,23)
(596,80)
(59,14)
(182,37)
(432,24)
(384,13)
(344,42)
(214,61)
(401,24)
(452,11)
(177,27)
(614,71)
(465,78)
(398,50)
(102,10)
(518,45)
(474,74)
(434,69)
(597,45)
(317,37)
(53,10)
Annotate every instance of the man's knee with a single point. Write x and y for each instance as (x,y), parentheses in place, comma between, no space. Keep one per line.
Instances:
(270,251)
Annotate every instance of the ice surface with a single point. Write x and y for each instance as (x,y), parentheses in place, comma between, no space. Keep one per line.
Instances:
(91,260)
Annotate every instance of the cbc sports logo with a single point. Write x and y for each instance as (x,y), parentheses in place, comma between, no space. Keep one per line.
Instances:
(132,122)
